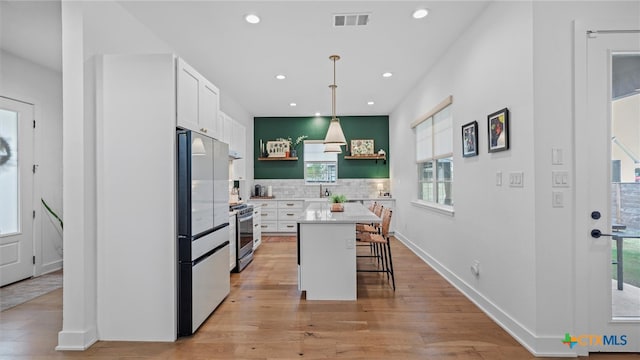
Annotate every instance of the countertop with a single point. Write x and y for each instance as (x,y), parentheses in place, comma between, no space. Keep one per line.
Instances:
(315,199)
(319,212)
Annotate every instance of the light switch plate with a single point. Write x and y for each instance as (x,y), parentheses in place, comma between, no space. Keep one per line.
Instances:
(556,157)
(557,199)
(560,178)
(499,178)
(516,179)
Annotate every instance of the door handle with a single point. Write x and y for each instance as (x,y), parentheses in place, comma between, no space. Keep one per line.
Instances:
(596,233)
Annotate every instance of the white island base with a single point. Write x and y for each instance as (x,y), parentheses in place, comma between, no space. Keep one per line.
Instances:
(327,251)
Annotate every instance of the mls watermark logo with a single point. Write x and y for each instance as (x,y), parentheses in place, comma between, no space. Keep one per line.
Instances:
(594,340)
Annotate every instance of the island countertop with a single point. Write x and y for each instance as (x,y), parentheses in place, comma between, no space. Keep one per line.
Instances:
(320,212)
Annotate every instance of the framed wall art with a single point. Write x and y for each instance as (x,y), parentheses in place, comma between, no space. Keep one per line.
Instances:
(277,148)
(498,130)
(361,147)
(470,139)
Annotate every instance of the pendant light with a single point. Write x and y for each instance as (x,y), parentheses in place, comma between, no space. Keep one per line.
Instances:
(334,136)
(332,148)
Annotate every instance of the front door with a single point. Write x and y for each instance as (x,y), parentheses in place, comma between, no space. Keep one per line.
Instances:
(603,331)
(16,191)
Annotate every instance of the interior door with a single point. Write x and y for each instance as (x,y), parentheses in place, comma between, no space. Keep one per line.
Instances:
(606,331)
(16,191)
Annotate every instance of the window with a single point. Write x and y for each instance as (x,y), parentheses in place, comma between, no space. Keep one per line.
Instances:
(434,155)
(319,167)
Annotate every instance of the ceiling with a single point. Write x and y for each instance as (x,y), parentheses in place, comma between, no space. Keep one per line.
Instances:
(294,38)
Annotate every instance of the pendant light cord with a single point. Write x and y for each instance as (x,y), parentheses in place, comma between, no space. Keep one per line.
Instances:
(334,86)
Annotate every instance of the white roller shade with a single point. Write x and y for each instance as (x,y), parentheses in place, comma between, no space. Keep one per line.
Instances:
(443,132)
(424,140)
(315,152)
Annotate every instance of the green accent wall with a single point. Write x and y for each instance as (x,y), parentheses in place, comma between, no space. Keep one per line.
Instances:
(354,127)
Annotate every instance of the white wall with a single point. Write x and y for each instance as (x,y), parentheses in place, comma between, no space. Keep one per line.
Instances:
(487,69)
(517,55)
(24,80)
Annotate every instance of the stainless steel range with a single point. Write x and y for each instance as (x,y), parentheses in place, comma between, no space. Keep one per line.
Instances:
(244,237)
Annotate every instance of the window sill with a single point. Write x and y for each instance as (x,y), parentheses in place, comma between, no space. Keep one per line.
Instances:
(442,209)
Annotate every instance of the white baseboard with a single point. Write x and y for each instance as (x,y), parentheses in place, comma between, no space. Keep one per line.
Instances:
(76,340)
(543,346)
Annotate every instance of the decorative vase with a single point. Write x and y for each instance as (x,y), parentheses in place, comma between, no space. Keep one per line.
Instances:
(294,153)
(337,207)
(286,154)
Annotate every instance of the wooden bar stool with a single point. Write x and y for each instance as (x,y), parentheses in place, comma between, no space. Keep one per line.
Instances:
(372,228)
(383,244)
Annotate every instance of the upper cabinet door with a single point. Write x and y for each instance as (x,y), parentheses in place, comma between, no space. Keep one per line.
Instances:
(209,107)
(188,100)
(197,101)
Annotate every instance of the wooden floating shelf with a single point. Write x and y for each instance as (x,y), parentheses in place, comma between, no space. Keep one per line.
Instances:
(278,158)
(366,157)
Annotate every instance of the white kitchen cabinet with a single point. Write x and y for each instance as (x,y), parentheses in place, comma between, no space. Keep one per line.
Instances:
(268,215)
(198,101)
(232,242)
(237,144)
(257,227)
(225,124)
(288,213)
(279,216)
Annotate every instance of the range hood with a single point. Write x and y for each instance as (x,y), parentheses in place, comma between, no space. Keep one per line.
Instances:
(234,155)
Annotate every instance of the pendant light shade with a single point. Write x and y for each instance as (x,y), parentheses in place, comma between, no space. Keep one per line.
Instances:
(334,136)
(332,148)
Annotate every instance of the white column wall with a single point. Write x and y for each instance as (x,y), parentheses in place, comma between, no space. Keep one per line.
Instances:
(79,294)
(89,28)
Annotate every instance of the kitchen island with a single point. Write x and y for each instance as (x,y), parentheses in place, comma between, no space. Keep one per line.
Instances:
(327,250)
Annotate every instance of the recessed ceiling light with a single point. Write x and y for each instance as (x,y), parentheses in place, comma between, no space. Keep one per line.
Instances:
(293,104)
(252,18)
(420,13)
(280,77)
(370,103)
(387,74)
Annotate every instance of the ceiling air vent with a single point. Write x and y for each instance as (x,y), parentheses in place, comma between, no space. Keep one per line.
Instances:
(340,20)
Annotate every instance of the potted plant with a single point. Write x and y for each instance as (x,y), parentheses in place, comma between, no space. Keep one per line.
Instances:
(337,202)
(294,148)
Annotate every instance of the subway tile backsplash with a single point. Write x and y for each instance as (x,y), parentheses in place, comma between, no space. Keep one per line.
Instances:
(351,188)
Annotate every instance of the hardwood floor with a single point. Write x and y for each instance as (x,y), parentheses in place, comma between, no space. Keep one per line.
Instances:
(265,317)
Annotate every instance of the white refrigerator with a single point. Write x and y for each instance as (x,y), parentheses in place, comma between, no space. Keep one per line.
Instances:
(203,234)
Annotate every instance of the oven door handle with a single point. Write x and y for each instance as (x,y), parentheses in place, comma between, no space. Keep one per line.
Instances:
(245,218)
